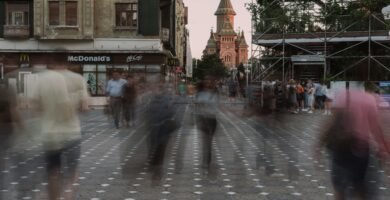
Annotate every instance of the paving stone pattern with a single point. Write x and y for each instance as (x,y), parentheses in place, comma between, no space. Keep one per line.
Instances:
(268,157)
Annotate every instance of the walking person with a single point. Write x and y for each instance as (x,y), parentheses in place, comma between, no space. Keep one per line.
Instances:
(232,86)
(319,96)
(206,109)
(349,139)
(160,117)
(59,96)
(114,92)
(292,97)
(129,101)
(9,117)
(300,96)
(329,96)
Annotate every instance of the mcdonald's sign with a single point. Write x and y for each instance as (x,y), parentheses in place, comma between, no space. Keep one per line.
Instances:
(24,58)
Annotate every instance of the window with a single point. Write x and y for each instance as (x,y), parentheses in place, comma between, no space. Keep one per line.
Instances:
(97,75)
(71,13)
(54,13)
(126,14)
(63,12)
(227,59)
(17,13)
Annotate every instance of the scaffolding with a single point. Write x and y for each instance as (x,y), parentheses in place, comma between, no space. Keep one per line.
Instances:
(316,40)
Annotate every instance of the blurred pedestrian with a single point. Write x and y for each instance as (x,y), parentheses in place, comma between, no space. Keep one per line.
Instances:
(129,101)
(182,88)
(329,96)
(348,140)
(310,97)
(232,86)
(206,111)
(160,118)
(60,94)
(292,97)
(9,117)
(300,96)
(114,91)
(319,96)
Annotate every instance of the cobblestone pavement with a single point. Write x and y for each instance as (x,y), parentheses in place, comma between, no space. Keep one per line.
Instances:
(268,157)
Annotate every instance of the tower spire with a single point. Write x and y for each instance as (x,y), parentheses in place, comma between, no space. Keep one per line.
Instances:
(225,8)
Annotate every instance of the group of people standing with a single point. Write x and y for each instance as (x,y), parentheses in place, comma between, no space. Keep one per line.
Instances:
(307,96)
(122,95)
(296,97)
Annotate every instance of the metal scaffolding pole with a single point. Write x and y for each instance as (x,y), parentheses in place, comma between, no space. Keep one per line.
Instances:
(281,43)
(325,44)
(284,47)
(369,47)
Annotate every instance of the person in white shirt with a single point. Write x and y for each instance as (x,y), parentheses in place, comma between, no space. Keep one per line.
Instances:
(329,97)
(60,95)
(114,90)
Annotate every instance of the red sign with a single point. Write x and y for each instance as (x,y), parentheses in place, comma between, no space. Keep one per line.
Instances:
(179,70)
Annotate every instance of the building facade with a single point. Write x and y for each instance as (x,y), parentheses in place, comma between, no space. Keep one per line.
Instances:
(91,37)
(229,45)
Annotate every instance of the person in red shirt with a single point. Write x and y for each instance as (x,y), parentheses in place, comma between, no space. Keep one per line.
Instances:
(300,96)
(348,140)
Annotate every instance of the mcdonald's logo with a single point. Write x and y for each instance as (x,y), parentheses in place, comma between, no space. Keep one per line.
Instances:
(24,58)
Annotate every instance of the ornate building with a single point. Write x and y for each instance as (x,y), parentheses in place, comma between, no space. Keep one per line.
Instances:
(229,45)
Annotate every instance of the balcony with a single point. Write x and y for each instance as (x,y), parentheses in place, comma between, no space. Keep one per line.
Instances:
(16,31)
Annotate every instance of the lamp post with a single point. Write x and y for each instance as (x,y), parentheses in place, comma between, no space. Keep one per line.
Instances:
(247,71)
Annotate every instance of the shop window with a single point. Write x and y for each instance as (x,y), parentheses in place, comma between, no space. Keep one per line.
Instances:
(63,12)
(126,14)
(17,13)
(96,77)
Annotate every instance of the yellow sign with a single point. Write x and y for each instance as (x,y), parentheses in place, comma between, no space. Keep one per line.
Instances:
(25,58)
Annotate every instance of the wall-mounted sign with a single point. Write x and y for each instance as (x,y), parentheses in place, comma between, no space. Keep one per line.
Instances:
(95,59)
(24,58)
(133,58)
(165,34)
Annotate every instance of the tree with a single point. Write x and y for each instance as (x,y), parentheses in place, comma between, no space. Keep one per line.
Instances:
(210,65)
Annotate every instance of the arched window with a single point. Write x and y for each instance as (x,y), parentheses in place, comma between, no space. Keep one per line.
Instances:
(227,58)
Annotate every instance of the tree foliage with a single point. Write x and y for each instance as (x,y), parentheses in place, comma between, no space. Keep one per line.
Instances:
(210,65)
(276,16)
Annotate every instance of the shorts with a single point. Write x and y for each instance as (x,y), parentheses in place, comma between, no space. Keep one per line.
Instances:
(301,97)
(67,156)
(327,99)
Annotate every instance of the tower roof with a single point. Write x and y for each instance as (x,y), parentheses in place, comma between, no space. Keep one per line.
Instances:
(211,43)
(225,8)
(243,41)
(227,29)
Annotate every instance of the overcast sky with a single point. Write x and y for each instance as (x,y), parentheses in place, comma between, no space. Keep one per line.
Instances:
(202,18)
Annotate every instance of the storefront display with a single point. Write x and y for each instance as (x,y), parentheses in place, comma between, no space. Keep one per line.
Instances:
(94,67)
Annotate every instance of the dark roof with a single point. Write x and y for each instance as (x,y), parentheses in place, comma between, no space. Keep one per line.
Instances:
(225,8)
